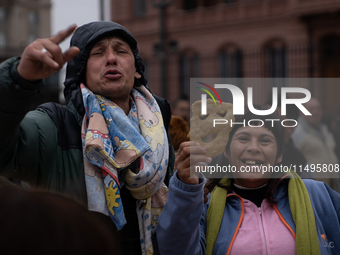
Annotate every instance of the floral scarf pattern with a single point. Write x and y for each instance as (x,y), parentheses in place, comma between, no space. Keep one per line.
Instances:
(130,150)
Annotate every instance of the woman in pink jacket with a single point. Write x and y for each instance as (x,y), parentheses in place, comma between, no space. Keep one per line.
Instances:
(249,212)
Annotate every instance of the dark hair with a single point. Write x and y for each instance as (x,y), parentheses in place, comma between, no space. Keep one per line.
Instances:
(179,130)
(278,132)
(57,223)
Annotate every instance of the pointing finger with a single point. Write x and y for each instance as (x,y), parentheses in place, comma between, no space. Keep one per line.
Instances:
(62,35)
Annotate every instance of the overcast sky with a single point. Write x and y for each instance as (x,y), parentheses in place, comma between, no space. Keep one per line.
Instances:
(67,12)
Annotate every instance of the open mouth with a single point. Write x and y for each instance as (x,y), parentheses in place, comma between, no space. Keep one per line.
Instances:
(252,162)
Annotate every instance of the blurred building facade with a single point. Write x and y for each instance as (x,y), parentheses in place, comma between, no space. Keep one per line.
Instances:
(236,38)
(21,22)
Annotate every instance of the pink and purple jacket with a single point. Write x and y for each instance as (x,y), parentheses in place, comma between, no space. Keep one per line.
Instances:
(245,229)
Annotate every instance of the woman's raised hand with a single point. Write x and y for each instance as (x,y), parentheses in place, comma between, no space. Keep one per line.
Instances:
(190,155)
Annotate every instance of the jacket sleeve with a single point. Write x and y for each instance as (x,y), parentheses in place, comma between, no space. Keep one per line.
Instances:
(322,196)
(335,198)
(181,228)
(25,139)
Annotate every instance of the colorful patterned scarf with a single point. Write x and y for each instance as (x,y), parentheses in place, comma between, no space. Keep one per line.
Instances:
(125,150)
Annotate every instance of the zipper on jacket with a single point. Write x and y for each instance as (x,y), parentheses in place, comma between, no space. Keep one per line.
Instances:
(238,224)
(264,233)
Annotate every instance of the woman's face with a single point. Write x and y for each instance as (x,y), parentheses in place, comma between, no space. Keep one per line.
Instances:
(251,148)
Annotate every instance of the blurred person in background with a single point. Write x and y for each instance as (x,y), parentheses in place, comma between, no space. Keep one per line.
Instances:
(181,107)
(108,147)
(315,141)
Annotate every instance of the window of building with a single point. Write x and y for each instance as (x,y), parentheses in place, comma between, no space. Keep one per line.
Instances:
(139,8)
(230,62)
(189,68)
(330,56)
(189,4)
(33,25)
(208,3)
(330,47)
(3,27)
(276,60)
(229,1)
